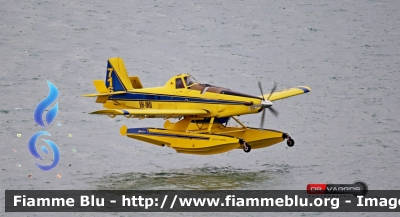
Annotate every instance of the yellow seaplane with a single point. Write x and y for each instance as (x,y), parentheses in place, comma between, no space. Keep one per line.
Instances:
(202,110)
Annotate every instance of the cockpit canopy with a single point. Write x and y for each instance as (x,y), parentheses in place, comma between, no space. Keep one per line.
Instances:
(187,81)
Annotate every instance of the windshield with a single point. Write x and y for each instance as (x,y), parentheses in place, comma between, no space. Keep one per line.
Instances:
(189,80)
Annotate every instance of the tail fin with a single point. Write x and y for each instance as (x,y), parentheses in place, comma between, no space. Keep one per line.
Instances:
(117,78)
(117,81)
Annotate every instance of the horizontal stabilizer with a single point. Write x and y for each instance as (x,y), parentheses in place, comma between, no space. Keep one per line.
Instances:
(136,83)
(152,113)
(100,86)
(103,94)
(287,93)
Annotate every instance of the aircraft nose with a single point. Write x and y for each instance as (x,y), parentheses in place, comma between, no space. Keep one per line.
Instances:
(266,103)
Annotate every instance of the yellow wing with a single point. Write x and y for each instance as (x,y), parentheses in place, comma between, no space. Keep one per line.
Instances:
(151,113)
(288,93)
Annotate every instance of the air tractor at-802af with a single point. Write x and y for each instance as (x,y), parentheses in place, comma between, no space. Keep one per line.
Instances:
(203,111)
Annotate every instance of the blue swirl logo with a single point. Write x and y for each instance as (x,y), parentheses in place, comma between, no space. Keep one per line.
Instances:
(45,103)
(35,153)
(50,116)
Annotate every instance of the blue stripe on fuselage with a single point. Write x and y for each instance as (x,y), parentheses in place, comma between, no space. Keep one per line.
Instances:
(166,98)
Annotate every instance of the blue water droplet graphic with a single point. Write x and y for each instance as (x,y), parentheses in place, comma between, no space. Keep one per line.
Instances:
(46,102)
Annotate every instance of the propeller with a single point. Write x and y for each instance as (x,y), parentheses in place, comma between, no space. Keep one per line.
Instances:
(266,103)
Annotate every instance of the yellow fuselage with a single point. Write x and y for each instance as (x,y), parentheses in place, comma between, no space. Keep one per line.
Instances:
(168,97)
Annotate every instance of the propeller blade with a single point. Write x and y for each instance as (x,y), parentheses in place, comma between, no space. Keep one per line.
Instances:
(272,91)
(267,105)
(262,119)
(273,111)
(262,93)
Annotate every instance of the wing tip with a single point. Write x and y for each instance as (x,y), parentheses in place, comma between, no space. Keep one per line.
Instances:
(95,113)
(306,89)
(109,112)
(89,95)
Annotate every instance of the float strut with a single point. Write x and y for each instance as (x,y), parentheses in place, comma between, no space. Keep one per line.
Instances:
(210,125)
(241,124)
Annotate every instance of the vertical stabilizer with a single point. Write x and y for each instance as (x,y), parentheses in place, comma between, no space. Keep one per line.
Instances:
(117,78)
